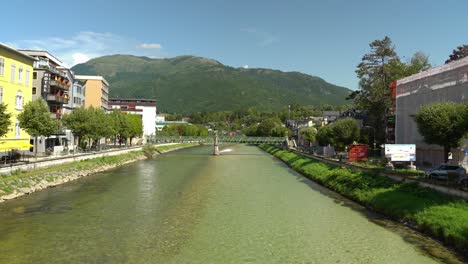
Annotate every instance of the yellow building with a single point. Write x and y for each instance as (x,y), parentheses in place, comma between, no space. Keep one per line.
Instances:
(16,72)
(96,92)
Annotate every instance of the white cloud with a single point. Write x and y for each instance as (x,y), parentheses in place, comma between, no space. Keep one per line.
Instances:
(150,46)
(263,38)
(80,58)
(245,66)
(86,45)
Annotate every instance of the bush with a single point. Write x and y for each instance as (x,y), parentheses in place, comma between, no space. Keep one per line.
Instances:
(149,150)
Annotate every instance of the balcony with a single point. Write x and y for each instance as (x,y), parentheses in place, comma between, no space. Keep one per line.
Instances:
(59,84)
(57,98)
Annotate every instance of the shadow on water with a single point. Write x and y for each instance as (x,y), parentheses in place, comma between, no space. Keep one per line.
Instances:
(425,244)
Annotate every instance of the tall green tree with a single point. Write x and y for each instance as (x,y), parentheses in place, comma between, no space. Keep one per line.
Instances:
(459,53)
(345,132)
(5,120)
(325,136)
(136,126)
(308,134)
(78,122)
(443,124)
(36,120)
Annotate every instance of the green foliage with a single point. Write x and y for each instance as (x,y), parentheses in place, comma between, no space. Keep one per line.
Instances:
(184,130)
(36,120)
(325,136)
(5,120)
(459,53)
(433,213)
(136,125)
(270,127)
(78,122)
(173,117)
(149,150)
(188,84)
(345,132)
(378,69)
(443,123)
(308,134)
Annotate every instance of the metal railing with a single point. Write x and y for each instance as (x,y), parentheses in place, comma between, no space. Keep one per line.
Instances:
(221,139)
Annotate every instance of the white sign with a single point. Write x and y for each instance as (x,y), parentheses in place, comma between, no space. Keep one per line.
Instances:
(400,152)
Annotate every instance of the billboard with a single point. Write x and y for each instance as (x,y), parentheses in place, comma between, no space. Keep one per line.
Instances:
(400,152)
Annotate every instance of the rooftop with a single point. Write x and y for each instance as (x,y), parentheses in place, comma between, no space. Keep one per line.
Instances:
(436,70)
(16,51)
(42,53)
(90,77)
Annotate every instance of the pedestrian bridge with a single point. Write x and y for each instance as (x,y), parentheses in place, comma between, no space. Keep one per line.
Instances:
(221,139)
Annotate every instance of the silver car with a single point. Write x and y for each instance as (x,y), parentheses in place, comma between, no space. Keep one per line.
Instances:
(447,172)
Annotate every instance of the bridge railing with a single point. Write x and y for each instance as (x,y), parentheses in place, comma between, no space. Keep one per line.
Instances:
(221,139)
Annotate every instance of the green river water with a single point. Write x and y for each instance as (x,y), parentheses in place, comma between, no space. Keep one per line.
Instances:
(190,207)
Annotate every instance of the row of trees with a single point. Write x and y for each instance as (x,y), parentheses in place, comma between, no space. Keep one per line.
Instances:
(86,124)
(270,127)
(184,130)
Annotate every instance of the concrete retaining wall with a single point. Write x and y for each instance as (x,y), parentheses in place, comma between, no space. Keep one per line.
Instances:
(63,160)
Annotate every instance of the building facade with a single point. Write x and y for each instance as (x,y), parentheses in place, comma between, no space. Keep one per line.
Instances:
(448,82)
(16,72)
(52,82)
(97,91)
(146,108)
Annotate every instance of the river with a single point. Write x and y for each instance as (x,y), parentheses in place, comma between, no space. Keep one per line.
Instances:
(190,207)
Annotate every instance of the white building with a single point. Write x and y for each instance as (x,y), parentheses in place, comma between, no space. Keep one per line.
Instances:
(146,108)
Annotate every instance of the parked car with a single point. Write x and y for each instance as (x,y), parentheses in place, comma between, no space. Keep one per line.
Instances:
(448,172)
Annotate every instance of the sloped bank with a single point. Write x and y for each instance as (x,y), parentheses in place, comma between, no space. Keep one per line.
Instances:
(22,183)
(428,211)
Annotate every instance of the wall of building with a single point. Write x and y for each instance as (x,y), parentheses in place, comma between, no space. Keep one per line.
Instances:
(93,94)
(10,89)
(445,83)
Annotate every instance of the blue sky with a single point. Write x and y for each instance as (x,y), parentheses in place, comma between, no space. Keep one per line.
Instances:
(321,38)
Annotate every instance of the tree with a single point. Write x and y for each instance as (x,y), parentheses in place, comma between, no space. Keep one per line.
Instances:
(35,119)
(442,124)
(78,122)
(121,125)
(266,126)
(136,126)
(5,120)
(325,136)
(375,74)
(459,53)
(345,132)
(308,134)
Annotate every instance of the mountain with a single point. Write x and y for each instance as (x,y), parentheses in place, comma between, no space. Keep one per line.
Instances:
(187,84)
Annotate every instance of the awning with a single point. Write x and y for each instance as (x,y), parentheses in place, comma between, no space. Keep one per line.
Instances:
(9,145)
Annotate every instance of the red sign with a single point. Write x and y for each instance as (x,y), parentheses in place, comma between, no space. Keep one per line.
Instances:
(358,152)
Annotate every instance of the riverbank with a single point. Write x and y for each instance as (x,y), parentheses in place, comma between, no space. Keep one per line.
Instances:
(20,183)
(428,211)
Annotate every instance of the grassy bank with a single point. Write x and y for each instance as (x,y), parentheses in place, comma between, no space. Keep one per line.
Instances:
(433,213)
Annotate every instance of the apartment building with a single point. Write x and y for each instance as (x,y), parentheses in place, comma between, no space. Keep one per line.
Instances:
(146,108)
(97,91)
(16,72)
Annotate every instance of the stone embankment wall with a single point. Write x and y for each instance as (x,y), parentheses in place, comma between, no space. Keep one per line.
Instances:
(35,165)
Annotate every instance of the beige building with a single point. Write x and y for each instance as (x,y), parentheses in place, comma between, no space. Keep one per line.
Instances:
(97,91)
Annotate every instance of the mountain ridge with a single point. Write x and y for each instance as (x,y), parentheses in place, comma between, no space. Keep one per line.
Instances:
(187,83)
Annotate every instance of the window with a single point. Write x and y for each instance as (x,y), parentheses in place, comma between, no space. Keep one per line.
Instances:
(20,74)
(2,66)
(13,69)
(34,75)
(17,129)
(19,100)
(34,90)
(27,77)
(1,95)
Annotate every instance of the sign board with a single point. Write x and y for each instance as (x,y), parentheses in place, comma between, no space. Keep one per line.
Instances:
(450,156)
(466,152)
(400,152)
